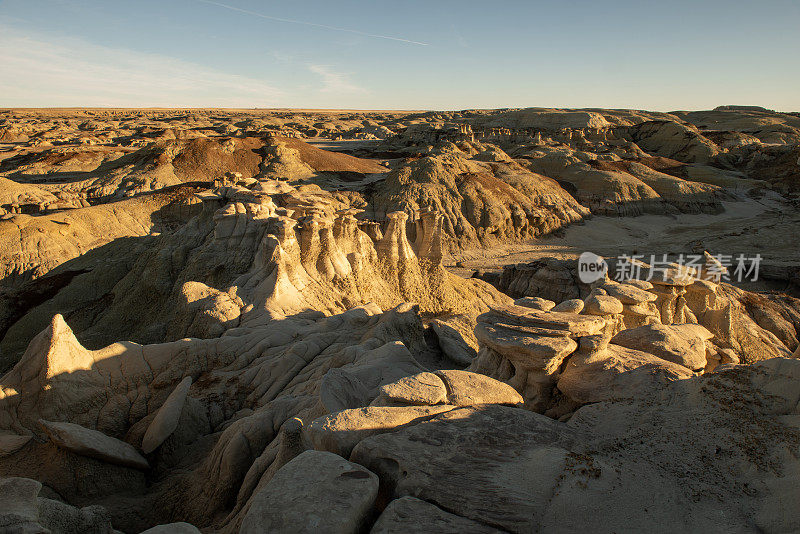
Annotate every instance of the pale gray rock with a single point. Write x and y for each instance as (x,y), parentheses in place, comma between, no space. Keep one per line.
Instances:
(19,509)
(166,420)
(357,384)
(11,443)
(22,511)
(341,431)
(516,458)
(61,518)
(421,389)
(315,493)
(93,444)
(340,389)
(408,514)
(173,528)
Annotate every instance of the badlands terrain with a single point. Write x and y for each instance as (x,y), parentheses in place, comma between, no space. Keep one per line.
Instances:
(349,321)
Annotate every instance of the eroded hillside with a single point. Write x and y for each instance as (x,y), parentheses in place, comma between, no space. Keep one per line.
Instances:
(268,321)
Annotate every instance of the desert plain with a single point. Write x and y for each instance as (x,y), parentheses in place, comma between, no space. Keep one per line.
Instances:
(343,321)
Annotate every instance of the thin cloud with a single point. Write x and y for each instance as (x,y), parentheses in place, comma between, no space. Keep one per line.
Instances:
(45,70)
(313,24)
(335,82)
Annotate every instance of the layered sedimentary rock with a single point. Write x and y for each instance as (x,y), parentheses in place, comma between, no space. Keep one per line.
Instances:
(278,346)
(271,251)
(480,203)
(623,336)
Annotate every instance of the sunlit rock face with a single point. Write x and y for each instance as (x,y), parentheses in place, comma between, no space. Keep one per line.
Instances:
(239,321)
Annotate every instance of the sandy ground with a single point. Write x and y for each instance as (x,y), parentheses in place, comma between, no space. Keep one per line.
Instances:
(768,226)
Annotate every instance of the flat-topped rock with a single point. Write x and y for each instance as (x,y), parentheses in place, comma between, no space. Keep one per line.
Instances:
(683,344)
(93,444)
(465,388)
(508,461)
(315,493)
(576,325)
(533,331)
(526,351)
(421,389)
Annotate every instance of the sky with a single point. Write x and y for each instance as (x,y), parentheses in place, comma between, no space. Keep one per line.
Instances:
(401,54)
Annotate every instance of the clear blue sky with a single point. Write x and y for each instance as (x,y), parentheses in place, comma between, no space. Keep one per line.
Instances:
(432,54)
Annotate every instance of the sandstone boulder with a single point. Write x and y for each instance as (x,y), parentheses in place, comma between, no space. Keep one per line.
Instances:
(341,431)
(166,419)
(684,344)
(465,388)
(602,305)
(317,492)
(422,389)
(617,372)
(409,514)
(536,303)
(93,444)
(569,306)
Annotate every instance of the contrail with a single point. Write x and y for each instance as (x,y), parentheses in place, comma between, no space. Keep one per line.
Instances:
(304,23)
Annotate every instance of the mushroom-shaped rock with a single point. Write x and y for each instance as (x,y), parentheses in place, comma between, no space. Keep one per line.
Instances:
(467,389)
(166,420)
(526,351)
(93,444)
(570,324)
(409,514)
(422,388)
(315,493)
(683,344)
(569,306)
(536,303)
(341,431)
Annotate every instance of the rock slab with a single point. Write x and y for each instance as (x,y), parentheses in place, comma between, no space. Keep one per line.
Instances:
(315,493)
